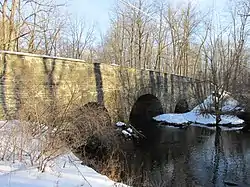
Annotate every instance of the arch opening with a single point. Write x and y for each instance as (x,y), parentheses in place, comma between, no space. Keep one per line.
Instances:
(181,106)
(145,108)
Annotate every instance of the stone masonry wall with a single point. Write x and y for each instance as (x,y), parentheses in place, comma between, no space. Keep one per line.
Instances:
(29,81)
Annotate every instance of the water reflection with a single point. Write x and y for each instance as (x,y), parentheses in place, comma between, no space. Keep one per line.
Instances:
(191,157)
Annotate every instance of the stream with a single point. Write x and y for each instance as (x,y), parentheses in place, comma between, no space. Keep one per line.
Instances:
(191,157)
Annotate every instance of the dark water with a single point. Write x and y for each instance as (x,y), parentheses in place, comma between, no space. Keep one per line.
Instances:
(191,157)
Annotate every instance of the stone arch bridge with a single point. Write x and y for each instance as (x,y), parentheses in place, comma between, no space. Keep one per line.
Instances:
(29,81)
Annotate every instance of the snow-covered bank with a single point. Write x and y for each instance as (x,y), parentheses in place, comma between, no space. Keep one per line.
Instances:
(21,156)
(172,118)
(223,128)
(195,117)
(64,171)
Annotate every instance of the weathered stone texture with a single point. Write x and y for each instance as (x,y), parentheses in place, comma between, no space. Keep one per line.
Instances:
(32,80)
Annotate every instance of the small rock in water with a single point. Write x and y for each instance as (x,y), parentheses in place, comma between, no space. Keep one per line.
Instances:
(129,130)
(126,133)
(120,124)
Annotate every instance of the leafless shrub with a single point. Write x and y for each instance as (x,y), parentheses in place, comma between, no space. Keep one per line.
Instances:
(87,122)
(93,139)
(53,127)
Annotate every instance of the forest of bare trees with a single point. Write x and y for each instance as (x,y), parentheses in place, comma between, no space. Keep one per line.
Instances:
(180,39)
(177,38)
(155,36)
(43,27)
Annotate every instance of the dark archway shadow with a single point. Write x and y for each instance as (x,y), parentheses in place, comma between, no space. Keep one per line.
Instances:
(181,106)
(93,125)
(145,108)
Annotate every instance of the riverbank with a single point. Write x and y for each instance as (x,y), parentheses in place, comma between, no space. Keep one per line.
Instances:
(26,163)
(63,171)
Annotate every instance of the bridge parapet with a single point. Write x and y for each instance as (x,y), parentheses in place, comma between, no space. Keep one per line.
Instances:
(29,81)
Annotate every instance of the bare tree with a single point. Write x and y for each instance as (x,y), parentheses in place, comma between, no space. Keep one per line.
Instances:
(78,38)
(223,59)
(129,41)
(22,21)
(154,35)
(8,13)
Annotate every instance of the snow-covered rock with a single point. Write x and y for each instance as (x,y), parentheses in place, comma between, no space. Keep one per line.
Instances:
(120,124)
(129,130)
(126,133)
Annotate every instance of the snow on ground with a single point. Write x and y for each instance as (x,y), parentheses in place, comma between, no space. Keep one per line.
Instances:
(65,171)
(194,116)
(20,168)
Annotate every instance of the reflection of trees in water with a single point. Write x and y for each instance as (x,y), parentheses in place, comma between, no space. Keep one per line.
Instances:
(224,158)
(218,150)
(237,170)
(189,157)
(165,160)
